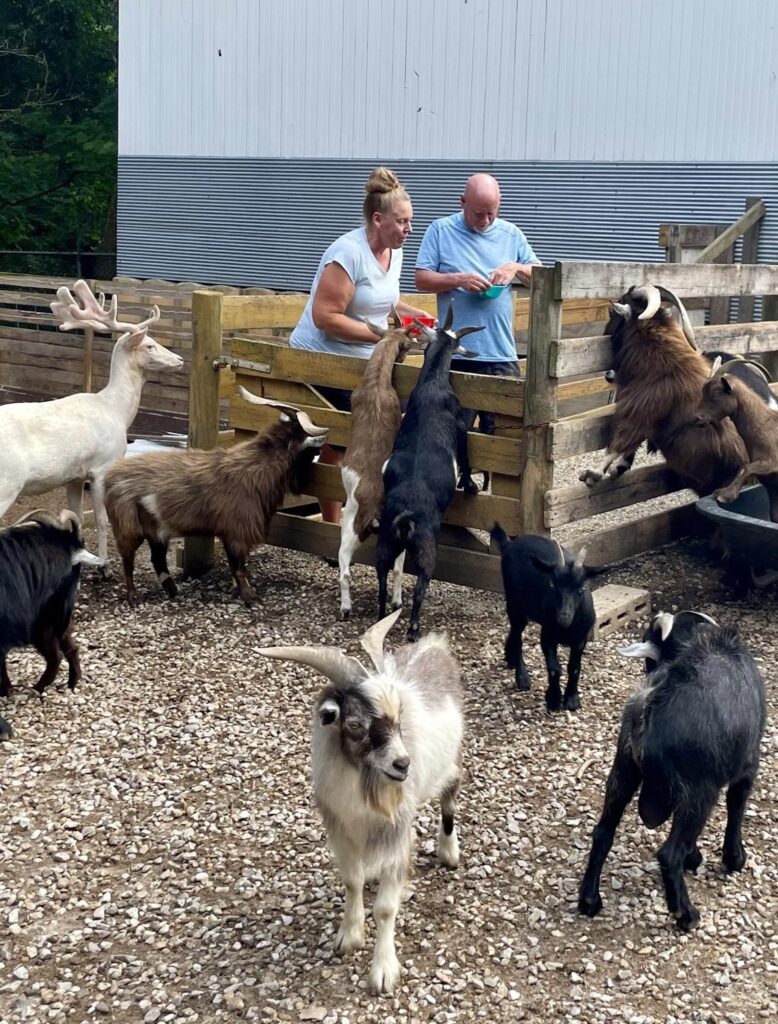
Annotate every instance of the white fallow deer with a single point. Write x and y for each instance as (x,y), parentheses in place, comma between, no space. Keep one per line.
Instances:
(67,441)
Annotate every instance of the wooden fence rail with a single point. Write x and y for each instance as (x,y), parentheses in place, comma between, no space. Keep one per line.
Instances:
(533,432)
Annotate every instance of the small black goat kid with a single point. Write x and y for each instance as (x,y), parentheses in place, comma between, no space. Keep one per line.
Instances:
(692,728)
(40,564)
(546,584)
(420,477)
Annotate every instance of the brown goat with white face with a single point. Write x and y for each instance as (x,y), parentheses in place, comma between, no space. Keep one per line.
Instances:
(229,493)
(660,375)
(727,396)
(375,420)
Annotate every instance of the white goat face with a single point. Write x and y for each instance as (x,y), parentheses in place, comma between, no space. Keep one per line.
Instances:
(368,720)
(148,354)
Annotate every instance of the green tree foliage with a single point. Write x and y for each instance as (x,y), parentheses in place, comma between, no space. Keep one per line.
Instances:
(58,126)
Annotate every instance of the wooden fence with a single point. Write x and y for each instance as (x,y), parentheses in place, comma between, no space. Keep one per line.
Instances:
(533,431)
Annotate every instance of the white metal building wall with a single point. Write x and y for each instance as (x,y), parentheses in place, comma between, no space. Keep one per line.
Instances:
(544,80)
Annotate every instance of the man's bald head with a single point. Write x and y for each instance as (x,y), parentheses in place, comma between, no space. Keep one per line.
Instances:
(480,201)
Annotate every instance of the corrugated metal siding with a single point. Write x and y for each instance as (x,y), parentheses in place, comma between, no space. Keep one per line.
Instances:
(267,222)
(450,79)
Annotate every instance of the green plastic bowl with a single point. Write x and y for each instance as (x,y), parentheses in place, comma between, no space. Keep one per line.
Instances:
(493,292)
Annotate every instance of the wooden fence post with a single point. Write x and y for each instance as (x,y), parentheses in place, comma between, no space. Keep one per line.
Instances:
(203,404)
(540,400)
(745,306)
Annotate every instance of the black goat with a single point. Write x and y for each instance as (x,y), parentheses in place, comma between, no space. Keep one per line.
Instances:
(40,564)
(692,728)
(546,584)
(420,476)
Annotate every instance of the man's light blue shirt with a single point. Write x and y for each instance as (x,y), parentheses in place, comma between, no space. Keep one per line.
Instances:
(450,247)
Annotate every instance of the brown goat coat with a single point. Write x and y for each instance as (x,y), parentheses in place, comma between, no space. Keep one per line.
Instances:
(230,493)
(660,380)
(375,420)
(756,424)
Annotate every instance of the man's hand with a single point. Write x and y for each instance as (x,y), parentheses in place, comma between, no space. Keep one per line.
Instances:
(510,271)
(472,282)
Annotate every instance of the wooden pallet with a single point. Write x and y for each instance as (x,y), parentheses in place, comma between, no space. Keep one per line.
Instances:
(617,606)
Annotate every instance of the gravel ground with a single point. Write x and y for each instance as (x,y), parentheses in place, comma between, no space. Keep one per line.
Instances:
(161,860)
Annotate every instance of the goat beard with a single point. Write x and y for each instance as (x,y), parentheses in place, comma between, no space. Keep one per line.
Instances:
(382,796)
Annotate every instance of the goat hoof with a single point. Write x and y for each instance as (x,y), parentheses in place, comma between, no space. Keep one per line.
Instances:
(345,614)
(553,702)
(413,634)
(471,488)
(734,860)
(688,919)
(133,600)
(572,702)
(590,905)
(349,939)
(385,975)
(170,589)
(590,477)
(523,683)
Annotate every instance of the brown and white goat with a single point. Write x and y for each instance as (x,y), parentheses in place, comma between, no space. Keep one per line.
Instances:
(660,375)
(726,395)
(230,493)
(375,420)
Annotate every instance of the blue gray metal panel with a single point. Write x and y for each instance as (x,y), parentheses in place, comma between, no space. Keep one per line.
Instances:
(670,80)
(267,222)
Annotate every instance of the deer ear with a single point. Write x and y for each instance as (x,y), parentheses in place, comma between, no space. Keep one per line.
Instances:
(134,339)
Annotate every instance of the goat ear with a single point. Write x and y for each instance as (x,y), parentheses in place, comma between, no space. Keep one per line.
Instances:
(622,309)
(329,712)
(542,564)
(664,623)
(378,331)
(726,383)
(715,367)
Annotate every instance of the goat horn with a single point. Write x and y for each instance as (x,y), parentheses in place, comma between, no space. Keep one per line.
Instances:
(468,330)
(561,554)
(579,558)
(37,515)
(373,640)
(256,400)
(396,318)
(650,293)
(664,622)
(330,661)
(309,426)
(686,323)
(719,368)
(707,618)
(379,331)
(449,317)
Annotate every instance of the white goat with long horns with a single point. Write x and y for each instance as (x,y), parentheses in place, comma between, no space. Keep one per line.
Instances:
(68,441)
(384,741)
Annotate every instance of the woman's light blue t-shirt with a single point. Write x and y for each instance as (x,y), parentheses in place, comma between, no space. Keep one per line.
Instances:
(450,247)
(375,292)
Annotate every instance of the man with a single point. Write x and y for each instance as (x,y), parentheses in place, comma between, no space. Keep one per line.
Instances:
(464,255)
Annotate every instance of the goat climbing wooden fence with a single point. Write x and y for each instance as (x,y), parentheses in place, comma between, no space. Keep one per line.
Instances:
(534,434)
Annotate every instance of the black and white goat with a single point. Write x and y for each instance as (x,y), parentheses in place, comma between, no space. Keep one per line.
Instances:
(384,741)
(693,727)
(420,477)
(40,566)
(547,584)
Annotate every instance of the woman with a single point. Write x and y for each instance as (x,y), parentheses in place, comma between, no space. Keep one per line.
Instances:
(358,279)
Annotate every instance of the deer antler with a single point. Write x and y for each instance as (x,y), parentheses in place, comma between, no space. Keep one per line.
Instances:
(92,311)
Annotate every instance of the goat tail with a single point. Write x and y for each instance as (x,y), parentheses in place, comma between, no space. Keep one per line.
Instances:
(500,537)
(403,527)
(657,794)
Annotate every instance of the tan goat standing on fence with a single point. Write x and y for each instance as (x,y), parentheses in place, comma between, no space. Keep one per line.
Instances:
(375,420)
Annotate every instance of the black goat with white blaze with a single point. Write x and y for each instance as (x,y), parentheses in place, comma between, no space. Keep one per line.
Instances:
(692,728)
(420,477)
(384,741)
(40,565)
(545,583)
